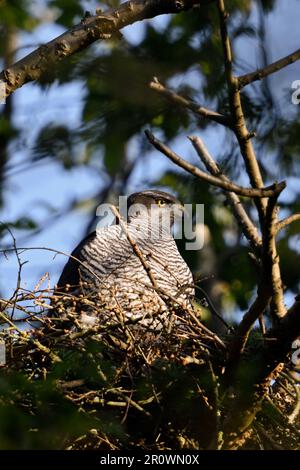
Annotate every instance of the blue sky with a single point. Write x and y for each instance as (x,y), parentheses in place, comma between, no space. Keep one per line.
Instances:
(31,190)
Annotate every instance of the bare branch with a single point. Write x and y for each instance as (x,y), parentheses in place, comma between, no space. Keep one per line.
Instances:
(287,221)
(20,265)
(244,221)
(215,181)
(90,29)
(296,411)
(57,252)
(248,78)
(247,400)
(271,259)
(270,290)
(135,247)
(239,126)
(189,104)
(240,338)
(28,339)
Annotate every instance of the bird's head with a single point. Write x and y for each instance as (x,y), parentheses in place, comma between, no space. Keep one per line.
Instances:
(159,206)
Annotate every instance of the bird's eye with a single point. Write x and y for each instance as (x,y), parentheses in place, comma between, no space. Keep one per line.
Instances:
(160,203)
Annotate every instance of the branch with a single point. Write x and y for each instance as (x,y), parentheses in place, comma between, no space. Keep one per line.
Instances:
(91,29)
(270,259)
(57,252)
(248,78)
(269,287)
(215,181)
(240,338)
(248,397)
(239,126)
(29,339)
(244,221)
(285,333)
(135,247)
(189,104)
(287,221)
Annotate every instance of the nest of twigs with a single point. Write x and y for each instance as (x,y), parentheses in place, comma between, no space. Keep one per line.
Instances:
(119,385)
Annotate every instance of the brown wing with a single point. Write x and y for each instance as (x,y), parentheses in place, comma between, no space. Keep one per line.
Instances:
(70,274)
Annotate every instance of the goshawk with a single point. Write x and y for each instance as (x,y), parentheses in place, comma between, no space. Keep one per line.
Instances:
(114,280)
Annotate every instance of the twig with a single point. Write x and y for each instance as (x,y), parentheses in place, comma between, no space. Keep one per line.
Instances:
(281,224)
(135,247)
(217,440)
(207,330)
(248,78)
(28,339)
(240,337)
(168,297)
(285,388)
(20,264)
(281,418)
(131,402)
(267,436)
(189,104)
(296,411)
(57,252)
(213,180)
(212,308)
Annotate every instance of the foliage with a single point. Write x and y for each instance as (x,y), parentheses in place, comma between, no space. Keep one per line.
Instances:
(66,387)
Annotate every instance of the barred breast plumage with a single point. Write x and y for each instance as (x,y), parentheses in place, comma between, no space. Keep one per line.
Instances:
(111,275)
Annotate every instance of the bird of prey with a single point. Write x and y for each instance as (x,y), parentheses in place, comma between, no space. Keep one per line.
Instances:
(131,270)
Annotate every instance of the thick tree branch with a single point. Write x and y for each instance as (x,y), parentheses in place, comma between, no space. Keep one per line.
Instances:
(248,397)
(244,221)
(249,394)
(189,104)
(91,29)
(269,291)
(239,126)
(248,78)
(215,181)
(270,259)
